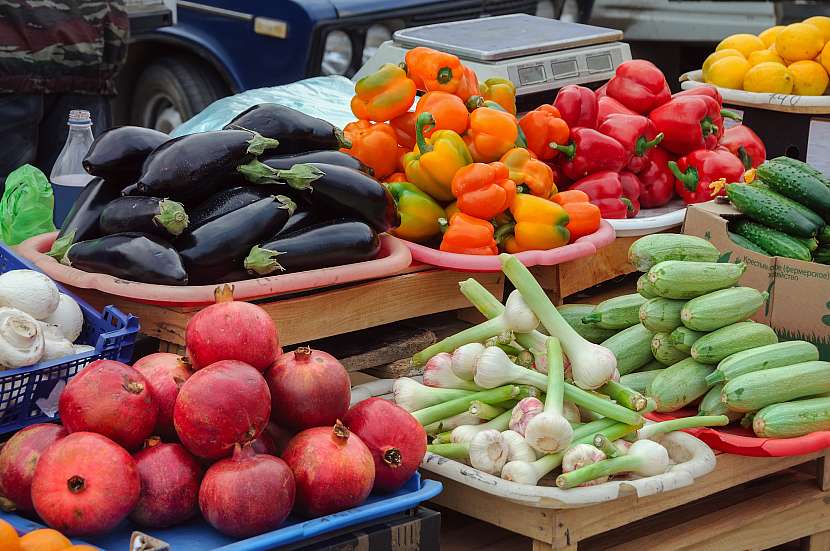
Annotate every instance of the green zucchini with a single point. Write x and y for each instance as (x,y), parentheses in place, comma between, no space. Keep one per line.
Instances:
(639,381)
(791,419)
(657,247)
(763,357)
(653,365)
(722,308)
(664,351)
(684,280)
(803,167)
(679,385)
(631,347)
(742,241)
(796,184)
(711,404)
(717,345)
(823,235)
(661,314)
(616,313)
(759,389)
(645,288)
(683,338)
(573,314)
(764,207)
(776,242)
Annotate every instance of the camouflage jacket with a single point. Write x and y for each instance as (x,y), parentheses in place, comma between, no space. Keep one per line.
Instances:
(61,46)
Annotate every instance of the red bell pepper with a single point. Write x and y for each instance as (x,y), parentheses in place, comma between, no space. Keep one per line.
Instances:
(607,106)
(632,187)
(637,135)
(606,191)
(560,181)
(744,144)
(639,85)
(710,91)
(590,151)
(577,105)
(602,91)
(656,179)
(703,174)
(689,123)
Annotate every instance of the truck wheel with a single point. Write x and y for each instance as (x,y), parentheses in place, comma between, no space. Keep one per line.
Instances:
(171,90)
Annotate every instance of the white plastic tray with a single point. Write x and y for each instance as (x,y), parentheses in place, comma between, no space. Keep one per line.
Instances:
(651,220)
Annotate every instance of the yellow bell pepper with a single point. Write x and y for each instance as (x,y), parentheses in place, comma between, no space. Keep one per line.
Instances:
(526,170)
(500,90)
(433,163)
(385,94)
(539,225)
(419,212)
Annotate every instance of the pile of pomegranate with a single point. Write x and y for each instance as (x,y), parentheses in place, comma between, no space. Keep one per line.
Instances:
(237,431)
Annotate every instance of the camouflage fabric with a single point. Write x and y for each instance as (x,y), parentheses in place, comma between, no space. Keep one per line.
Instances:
(61,46)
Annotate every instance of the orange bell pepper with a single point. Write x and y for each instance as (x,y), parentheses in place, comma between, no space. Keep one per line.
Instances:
(385,94)
(571,196)
(584,216)
(404,126)
(395,177)
(483,190)
(451,209)
(539,225)
(526,170)
(500,90)
(542,126)
(469,235)
(375,144)
(448,110)
(492,133)
(432,70)
(468,87)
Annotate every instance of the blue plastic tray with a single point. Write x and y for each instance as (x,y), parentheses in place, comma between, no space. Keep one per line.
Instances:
(197,535)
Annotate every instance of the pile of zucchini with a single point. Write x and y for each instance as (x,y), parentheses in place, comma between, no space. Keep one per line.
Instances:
(686,338)
(787,210)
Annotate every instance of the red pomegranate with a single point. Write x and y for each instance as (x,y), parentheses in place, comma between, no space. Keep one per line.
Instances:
(224,404)
(247,494)
(85,484)
(397,440)
(170,479)
(112,399)
(309,388)
(333,470)
(165,374)
(264,444)
(18,459)
(279,436)
(231,330)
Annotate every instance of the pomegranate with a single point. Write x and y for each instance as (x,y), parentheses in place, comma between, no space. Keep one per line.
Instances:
(170,479)
(224,404)
(279,436)
(18,460)
(247,494)
(397,440)
(333,470)
(165,374)
(85,484)
(231,330)
(309,388)
(112,399)
(264,444)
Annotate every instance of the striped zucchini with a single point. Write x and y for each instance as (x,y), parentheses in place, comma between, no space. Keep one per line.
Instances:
(679,385)
(657,247)
(763,357)
(742,241)
(645,288)
(766,207)
(791,419)
(661,314)
(683,338)
(631,347)
(776,242)
(639,381)
(664,351)
(573,314)
(711,404)
(759,389)
(717,345)
(616,313)
(685,280)
(722,308)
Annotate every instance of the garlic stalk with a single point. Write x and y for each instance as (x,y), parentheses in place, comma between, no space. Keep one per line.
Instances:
(610,449)
(623,395)
(523,412)
(465,418)
(517,446)
(487,451)
(465,433)
(412,395)
(21,339)
(458,405)
(653,429)
(464,360)
(485,411)
(550,432)
(581,455)
(438,373)
(644,458)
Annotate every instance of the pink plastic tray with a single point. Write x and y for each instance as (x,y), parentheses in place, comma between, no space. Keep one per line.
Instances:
(392,258)
(584,246)
(740,441)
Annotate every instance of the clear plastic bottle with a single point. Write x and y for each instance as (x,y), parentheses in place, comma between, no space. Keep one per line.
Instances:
(68,176)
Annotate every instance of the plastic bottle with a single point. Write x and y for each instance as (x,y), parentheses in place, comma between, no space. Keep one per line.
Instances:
(68,176)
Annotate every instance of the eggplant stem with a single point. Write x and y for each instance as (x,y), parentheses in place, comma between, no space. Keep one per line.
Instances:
(172,217)
(262,261)
(259,143)
(299,176)
(342,140)
(61,246)
(286,203)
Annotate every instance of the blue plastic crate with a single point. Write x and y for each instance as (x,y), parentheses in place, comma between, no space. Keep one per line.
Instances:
(111,332)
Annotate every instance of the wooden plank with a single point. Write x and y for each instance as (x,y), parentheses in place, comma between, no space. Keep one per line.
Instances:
(823,473)
(819,542)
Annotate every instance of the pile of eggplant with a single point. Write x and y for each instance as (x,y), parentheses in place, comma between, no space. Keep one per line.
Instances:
(270,193)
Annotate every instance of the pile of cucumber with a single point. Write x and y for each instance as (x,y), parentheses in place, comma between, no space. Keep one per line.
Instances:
(786,209)
(685,337)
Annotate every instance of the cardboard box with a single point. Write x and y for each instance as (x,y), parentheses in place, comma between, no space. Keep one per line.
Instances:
(798,307)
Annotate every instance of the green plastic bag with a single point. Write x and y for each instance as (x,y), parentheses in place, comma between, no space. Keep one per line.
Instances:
(27,205)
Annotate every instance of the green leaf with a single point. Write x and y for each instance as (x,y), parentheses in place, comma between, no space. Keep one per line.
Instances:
(724,258)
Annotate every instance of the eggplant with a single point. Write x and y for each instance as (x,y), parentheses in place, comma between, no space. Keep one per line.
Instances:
(302,218)
(161,217)
(228,200)
(330,157)
(132,256)
(296,131)
(81,223)
(218,247)
(323,245)
(119,153)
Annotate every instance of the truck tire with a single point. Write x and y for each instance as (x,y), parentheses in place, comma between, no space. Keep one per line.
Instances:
(171,90)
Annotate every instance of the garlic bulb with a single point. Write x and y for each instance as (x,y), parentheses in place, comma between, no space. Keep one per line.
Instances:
(21,339)
(581,455)
(438,373)
(517,446)
(464,360)
(571,412)
(520,318)
(523,412)
(548,432)
(488,451)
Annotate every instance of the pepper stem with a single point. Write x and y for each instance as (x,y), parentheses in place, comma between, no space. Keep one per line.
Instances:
(443,224)
(689,179)
(744,157)
(629,206)
(423,120)
(474,102)
(342,140)
(568,150)
(444,75)
(262,261)
(644,145)
(504,232)
(708,127)
(727,114)
(172,216)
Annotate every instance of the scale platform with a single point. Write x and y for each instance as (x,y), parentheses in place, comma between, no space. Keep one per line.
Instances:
(536,53)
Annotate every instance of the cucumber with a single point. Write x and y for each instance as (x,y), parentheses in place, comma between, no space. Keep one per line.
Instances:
(573,314)
(631,347)
(822,255)
(764,207)
(776,242)
(796,184)
(763,357)
(616,313)
(742,241)
(803,167)
(679,385)
(639,382)
(645,288)
(717,345)
(722,308)
(684,280)
(811,243)
(661,314)
(664,351)
(653,365)
(823,236)
(711,404)
(657,247)
(805,211)
(791,419)
(759,389)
